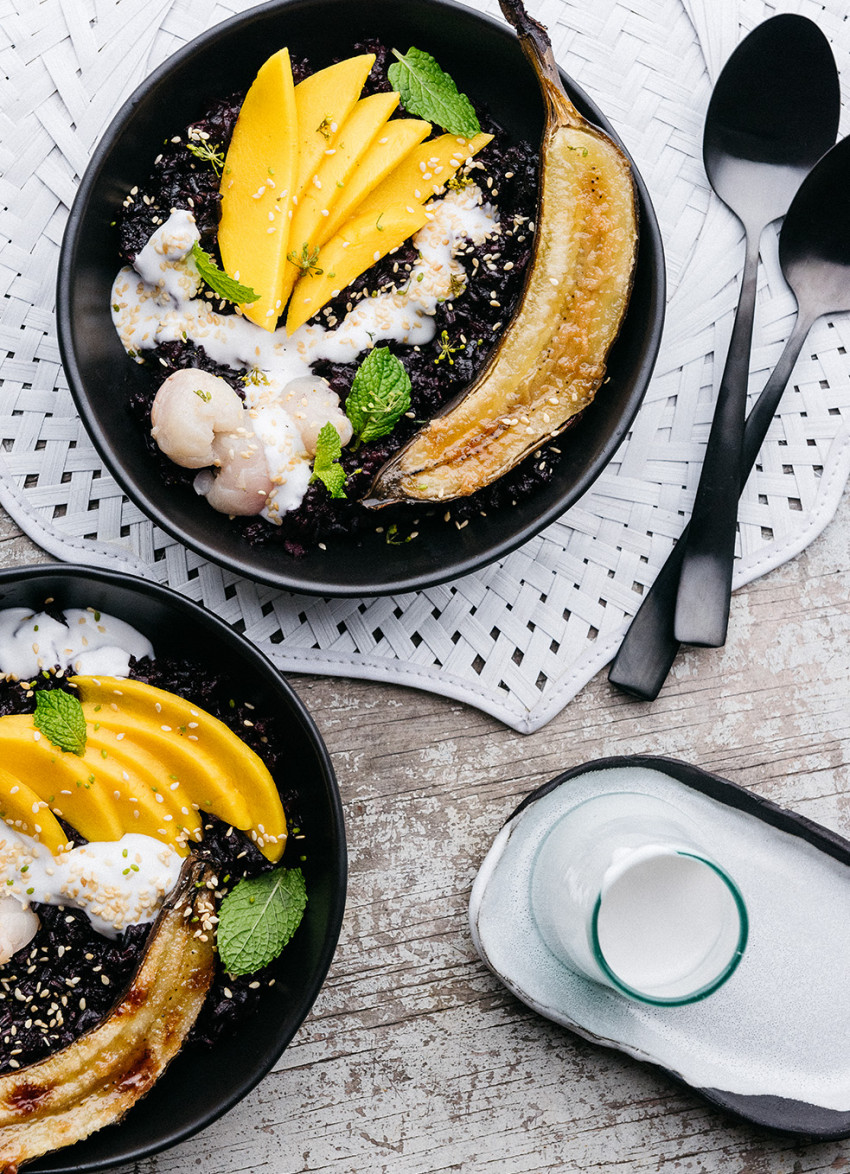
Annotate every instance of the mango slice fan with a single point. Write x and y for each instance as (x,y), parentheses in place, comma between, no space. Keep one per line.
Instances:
(319,184)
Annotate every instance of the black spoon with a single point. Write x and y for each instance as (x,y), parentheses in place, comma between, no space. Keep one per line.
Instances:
(814,251)
(773,113)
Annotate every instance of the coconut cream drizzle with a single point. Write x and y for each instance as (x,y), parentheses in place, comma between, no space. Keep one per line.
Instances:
(157,301)
(88,642)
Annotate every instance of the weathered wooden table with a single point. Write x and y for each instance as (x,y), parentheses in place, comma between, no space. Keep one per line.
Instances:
(415,1060)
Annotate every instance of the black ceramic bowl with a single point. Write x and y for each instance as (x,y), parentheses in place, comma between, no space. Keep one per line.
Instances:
(481,55)
(204,1082)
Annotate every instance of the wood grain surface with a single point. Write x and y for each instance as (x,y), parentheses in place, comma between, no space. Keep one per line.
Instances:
(415,1060)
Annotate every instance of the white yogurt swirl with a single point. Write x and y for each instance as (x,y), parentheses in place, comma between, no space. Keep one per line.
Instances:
(116,883)
(88,642)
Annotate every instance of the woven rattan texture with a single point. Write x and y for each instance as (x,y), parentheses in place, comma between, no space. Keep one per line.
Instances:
(521,637)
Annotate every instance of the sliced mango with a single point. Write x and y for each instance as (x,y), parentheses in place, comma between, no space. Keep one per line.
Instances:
(109,790)
(27,812)
(322,192)
(183,769)
(257,186)
(152,764)
(328,152)
(143,789)
(357,246)
(323,101)
(391,213)
(384,154)
(308,169)
(76,787)
(239,772)
(423,173)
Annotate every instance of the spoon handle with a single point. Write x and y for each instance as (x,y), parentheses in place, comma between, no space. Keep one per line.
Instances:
(650,645)
(705,579)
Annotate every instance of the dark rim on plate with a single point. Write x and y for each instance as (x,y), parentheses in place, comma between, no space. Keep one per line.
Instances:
(365,565)
(203,1083)
(779,1114)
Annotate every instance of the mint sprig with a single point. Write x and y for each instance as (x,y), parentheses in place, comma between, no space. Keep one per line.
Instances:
(427,91)
(379,396)
(325,465)
(258,918)
(60,717)
(222,283)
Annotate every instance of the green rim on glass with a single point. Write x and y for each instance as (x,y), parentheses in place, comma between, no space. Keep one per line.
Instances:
(707,988)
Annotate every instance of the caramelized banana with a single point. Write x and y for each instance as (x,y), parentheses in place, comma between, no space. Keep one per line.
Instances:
(92,1082)
(551,360)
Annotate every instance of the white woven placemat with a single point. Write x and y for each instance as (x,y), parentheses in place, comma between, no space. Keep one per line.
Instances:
(536,627)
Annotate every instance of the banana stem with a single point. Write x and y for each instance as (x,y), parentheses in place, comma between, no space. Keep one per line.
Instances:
(537,47)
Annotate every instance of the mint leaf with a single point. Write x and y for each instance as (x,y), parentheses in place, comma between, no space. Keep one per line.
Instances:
(430,93)
(258,918)
(222,283)
(333,479)
(379,396)
(60,717)
(325,466)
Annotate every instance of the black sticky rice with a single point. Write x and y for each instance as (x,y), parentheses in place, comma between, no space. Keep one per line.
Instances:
(471,325)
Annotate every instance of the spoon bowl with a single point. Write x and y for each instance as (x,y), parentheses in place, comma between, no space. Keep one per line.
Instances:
(814,245)
(814,252)
(773,114)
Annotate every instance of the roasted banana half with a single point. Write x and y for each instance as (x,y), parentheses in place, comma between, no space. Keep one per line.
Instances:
(97,1078)
(551,360)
